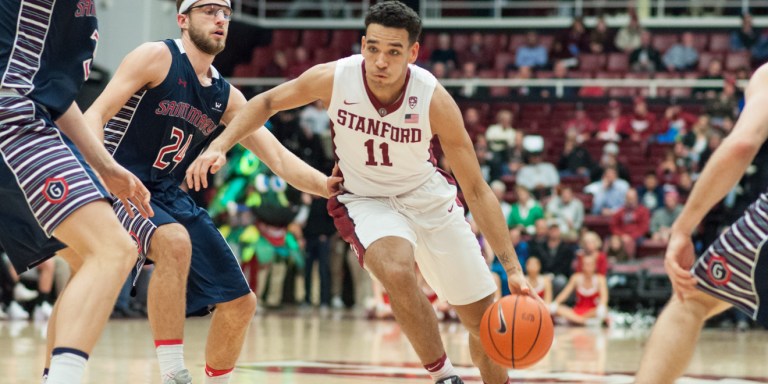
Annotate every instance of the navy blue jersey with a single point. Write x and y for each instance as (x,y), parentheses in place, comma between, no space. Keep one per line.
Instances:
(160,131)
(46,49)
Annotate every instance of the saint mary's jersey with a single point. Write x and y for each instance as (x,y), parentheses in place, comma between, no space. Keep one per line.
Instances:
(47,68)
(382,150)
(160,131)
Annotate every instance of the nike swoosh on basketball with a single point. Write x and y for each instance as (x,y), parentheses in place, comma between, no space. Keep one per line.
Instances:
(502,322)
(351,103)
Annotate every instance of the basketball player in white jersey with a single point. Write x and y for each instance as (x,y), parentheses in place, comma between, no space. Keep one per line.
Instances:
(399,209)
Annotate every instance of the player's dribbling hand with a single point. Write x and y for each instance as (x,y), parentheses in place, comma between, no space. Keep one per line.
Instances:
(197,173)
(518,284)
(678,261)
(334,182)
(127,187)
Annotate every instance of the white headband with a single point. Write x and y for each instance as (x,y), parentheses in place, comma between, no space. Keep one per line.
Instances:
(188,3)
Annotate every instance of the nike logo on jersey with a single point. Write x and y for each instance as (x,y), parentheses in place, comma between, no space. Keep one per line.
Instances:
(450,209)
(351,102)
(183,83)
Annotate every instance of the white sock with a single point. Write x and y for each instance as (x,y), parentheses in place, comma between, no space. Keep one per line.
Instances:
(67,366)
(213,376)
(170,356)
(441,369)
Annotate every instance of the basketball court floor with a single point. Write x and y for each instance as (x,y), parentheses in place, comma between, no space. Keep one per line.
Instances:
(341,348)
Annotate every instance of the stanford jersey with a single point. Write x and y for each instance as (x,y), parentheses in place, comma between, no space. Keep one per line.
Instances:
(160,131)
(382,150)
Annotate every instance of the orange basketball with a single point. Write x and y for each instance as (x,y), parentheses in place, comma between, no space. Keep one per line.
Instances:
(517,331)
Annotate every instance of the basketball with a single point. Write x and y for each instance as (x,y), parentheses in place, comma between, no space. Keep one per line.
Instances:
(517,331)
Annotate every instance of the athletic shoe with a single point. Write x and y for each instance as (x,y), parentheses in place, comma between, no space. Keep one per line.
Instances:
(450,380)
(3,315)
(337,303)
(181,377)
(16,312)
(42,311)
(22,294)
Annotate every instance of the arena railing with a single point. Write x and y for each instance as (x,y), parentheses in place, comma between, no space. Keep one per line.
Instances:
(489,14)
(652,86)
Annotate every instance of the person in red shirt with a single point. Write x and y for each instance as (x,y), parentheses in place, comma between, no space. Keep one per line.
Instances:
(591,248)
(641,124)
(674,124)
(631,222)
(614,125)
(581,125)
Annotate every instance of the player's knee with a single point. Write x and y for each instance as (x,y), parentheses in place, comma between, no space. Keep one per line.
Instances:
(123,255)
(397,276)
(171,244)
(243,306)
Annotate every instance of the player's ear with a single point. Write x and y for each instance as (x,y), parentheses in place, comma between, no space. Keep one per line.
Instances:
(181,20)
(414,53)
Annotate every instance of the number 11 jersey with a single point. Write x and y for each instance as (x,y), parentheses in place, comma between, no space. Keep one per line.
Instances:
(383,150)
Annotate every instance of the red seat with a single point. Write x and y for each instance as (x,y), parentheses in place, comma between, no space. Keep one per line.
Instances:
(663,41)
(736,60)
(343,39)
(592,62)
(502,60)
(700,41)
(516,41)
(599,224)
(719,42)
(326,54)
(282,38)
(314,38)
(618,62)
(459,42)
(707,57)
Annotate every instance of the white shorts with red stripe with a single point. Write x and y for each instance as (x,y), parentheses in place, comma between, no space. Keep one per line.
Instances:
(432,220)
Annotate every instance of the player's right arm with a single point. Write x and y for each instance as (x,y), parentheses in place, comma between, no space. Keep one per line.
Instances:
(146,66)
(314,84)
(722,172)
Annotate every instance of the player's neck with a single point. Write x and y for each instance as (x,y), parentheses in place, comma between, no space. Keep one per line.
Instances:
(201,61)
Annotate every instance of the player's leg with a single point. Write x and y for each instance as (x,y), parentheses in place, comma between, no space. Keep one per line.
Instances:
(391,261)
(471,316)
(227,333)
(672,342)
(108,253)
(570,314)
(170,250)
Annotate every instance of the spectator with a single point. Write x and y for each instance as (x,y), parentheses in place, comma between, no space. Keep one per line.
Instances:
(313,119)
(533,54)
(591,248)
(609,193)
(542,285)
(575,159)
(591,297)
(630,222)
(612,126)
(567,211)
(725,105)
(746,37)
(650,193)
(524,73)
(525,211)
(662,219)
(318,231)
(628,38)
(682,56)
(501,137)
(609,159)
(556,256)
(684,184)
(540,232)
(500,190)
(440,70)
(576,38)
(444,53)
(538,176)
(714,72)
(473,123)
(477,52)
(560,53)
(301,63)
(278,67)
(645,58)
(560,71)
(675,124)
(580,124)
(668,169)
(696,139)
(469,90)
(615,251)
(601,38)
(714,140)
(483,158)
(642,123)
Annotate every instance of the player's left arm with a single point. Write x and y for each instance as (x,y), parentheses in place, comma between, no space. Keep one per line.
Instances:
(278,158)
(447,123)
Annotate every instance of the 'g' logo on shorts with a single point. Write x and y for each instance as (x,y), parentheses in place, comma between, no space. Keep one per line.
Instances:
(55,190)
(718,270)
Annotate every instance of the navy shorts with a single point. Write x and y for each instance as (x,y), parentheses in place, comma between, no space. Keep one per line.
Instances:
(214,275)
(43,179)
(735,267)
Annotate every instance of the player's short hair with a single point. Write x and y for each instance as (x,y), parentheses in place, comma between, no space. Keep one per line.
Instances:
(394,14)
